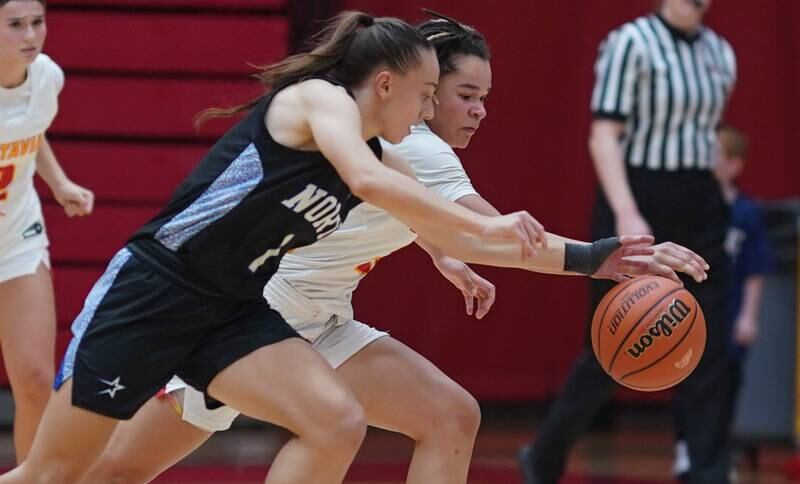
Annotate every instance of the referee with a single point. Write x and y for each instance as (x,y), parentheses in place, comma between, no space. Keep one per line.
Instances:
(662,82)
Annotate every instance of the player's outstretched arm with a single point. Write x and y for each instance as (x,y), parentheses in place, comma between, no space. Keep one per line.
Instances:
(614,258)
(335,124)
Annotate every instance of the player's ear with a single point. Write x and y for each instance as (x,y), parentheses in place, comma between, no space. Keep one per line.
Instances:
(383,81)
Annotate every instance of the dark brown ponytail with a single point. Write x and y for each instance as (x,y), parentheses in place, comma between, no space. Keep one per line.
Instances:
(348,48)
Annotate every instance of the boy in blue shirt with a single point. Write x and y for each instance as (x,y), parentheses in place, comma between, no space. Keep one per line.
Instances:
(746,244)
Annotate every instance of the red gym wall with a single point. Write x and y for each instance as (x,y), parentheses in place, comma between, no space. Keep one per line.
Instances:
(137,75)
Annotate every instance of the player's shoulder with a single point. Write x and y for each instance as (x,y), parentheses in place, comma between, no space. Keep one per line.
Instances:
(422,139)
(43,67)
(320,90)
(423,150)
(311,98)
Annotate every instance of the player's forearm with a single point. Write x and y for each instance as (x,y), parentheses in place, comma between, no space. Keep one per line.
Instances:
(48,167)
(472,249)
(432,250)
(411,203)
(493,254)
(609,163)
(478,204)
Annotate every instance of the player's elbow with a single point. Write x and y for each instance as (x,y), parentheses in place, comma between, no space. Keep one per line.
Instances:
(366,184)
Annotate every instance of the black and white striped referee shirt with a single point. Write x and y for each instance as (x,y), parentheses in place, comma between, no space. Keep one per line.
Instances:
(669,89)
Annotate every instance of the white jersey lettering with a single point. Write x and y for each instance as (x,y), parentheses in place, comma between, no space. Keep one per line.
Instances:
(304,199)
(259,261)
(311,201)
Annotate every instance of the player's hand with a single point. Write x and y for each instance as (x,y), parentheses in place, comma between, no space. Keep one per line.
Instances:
(680,259)
(518,227)
(625,261)
(472,286)
(745,331)
(665,260)
(76,200)
(632,223)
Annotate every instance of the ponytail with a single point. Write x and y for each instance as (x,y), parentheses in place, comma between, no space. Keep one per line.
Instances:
(350,46)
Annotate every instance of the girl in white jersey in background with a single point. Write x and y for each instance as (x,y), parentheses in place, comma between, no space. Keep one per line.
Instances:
(29,86)
(399,389)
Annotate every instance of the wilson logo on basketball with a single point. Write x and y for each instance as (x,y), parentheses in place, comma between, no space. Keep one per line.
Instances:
(627,304)
(669,319)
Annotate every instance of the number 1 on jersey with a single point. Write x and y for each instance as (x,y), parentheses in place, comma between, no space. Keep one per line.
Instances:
(258,262)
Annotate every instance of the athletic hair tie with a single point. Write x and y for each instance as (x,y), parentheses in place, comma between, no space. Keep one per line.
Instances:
(367,20)
(445,18)
(440,35)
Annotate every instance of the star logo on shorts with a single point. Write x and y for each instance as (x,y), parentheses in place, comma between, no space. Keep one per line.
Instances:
(115,387)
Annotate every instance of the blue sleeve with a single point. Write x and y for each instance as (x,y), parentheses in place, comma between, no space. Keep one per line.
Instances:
(755,256)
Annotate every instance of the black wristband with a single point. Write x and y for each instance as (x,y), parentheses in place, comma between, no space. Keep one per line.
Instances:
(587,258)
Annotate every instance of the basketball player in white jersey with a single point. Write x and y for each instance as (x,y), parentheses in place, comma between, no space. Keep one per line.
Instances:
(399,389)
(29,86)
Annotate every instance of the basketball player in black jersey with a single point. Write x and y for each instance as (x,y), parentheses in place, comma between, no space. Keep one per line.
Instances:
(184,295)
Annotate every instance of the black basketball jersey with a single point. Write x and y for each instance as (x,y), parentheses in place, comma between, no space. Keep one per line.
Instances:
(248,202)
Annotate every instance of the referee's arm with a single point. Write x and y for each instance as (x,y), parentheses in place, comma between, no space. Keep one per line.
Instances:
(609,163)
(616,70)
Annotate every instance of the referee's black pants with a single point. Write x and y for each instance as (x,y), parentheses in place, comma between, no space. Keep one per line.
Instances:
(686,208)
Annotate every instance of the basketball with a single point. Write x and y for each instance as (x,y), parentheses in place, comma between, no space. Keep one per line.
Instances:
(648,333)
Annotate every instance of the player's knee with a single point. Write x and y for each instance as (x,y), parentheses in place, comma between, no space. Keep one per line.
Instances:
(461,414)
(351,424)
(32,385)
(453,414)
(124,477)
(56,472)
(344,427)
(112,470)
(120,478)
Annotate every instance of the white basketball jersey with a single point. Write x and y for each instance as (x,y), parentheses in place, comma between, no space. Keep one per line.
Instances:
(328,271)
(26,112)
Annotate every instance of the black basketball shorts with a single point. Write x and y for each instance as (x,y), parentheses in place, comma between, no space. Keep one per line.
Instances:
(137,329)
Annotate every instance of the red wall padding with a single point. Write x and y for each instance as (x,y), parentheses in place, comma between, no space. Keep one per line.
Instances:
(93,239)
(72,284)
(133,4)
(145,107)
(127,172)
(168,43)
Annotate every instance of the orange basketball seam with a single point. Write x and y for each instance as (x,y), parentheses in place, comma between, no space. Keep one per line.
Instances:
(691,325)
(646,312)
(669,384)
(620,289)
